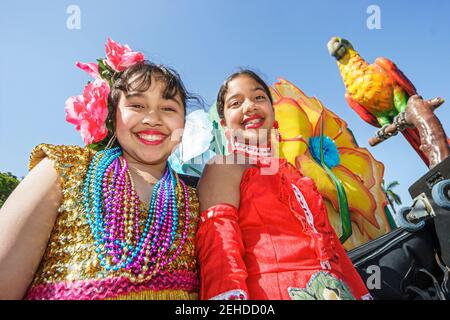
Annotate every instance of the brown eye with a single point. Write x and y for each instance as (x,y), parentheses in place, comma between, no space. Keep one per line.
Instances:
(260,98)
(234,104)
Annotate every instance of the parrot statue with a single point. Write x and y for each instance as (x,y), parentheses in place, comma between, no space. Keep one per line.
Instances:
(377,92)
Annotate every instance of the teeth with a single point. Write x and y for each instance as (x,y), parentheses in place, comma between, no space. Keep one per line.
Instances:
(151,137)
(253,121)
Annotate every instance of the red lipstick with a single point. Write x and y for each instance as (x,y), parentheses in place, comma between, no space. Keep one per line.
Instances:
(151,137)
(255,125)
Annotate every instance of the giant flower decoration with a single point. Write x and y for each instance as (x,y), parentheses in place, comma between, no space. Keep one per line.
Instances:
(320,145)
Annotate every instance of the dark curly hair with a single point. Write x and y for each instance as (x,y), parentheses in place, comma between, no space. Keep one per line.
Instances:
(139,78)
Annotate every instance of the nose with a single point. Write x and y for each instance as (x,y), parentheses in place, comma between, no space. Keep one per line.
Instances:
(152,118)
(248,106)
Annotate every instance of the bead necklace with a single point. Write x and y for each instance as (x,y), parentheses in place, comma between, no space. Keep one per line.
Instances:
(112,210)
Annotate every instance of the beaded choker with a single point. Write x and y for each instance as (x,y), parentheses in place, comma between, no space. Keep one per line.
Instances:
(261,155)
(122,241)
(252,151)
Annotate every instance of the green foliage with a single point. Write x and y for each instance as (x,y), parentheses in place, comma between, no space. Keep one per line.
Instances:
(8,182)
(106,72)
(391,196)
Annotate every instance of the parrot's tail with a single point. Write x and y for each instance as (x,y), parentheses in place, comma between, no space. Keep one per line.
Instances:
(413,137)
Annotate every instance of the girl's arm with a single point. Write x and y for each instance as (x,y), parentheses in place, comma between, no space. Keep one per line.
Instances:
(26,222)
(219,245)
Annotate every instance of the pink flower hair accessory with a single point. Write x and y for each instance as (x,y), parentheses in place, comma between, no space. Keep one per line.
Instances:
(89,112)
(121,57)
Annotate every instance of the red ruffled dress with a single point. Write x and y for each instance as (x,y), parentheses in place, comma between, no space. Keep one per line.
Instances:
(278,245)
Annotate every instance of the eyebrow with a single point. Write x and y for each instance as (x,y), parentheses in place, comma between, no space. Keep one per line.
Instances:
(141,95)
(179,104)
(134,94)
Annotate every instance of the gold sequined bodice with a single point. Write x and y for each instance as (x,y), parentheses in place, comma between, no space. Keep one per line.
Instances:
(70,269)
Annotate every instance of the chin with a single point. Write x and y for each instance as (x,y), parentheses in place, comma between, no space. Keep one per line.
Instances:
(152,157)
(257,136)
(153,160)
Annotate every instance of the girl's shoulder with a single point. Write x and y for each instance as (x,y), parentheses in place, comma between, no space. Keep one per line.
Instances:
(226,167)
(70,162)
(220,182)
(61,155)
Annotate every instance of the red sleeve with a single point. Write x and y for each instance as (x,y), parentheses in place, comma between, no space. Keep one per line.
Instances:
(220,253)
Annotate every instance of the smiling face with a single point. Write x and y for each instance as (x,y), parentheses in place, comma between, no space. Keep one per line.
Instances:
(148,125)
(248,111)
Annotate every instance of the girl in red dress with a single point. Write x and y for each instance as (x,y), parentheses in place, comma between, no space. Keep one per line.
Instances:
(264,230)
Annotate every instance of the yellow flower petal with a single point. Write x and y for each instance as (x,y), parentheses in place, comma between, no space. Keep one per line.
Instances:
(380,199)
(312,169)
(372,231)
(275,95)
(310,105)
(360,200)
(356,239)
(287,89)
(292,120)
(291,149)
(299,117)
(336,129)
(294,127)
(359,163)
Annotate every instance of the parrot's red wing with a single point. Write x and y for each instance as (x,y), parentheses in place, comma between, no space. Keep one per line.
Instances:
(390,67)
(361,111)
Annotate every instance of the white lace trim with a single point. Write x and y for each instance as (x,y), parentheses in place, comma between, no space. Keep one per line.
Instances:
(325,264)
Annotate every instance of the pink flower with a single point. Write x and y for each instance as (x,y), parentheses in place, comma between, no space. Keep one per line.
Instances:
(90,68)
(120,57)
(89,111)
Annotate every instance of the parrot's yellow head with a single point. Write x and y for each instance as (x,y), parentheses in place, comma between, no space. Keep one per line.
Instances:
(340,48)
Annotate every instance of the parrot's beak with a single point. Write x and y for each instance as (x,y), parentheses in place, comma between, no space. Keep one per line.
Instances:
(336,48)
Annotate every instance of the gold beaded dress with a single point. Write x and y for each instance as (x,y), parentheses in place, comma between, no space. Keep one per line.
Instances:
(70,269)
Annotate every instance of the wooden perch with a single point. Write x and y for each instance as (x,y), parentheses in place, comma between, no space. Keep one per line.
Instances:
(420,114)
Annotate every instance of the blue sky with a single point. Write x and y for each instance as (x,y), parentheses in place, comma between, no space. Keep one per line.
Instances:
(205,41)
